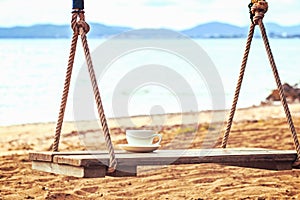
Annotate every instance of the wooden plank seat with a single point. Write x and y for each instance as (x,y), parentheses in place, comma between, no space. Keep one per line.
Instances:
(94,163)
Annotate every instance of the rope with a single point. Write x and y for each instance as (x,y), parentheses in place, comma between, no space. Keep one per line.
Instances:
(239,85)
(258,10)
(280,90)
(67,83)
(82,28)
(113,161)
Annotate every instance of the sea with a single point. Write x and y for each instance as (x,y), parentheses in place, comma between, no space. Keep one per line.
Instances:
(136,81)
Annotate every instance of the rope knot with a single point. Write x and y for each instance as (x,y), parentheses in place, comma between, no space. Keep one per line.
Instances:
(83,27)
(79,27)
(258,10)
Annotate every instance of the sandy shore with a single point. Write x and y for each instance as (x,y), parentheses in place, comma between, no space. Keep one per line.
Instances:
(253,127)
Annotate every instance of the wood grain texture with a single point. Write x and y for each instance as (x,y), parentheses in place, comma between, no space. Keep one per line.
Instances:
(83,172)
(68,170)
(250,158)
(48,155)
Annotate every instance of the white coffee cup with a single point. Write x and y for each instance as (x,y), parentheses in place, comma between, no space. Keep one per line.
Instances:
(142,137)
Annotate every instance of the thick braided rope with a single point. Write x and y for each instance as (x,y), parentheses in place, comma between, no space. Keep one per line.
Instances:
(259,9)
(280,90)
(113,161)
(238,87)
(66,85)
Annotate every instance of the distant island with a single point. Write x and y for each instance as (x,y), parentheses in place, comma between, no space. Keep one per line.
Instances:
(208,30)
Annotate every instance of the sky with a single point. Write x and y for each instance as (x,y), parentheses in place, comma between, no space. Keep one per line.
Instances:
(173,14)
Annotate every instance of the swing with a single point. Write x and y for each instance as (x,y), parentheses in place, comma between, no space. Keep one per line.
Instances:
(122,164)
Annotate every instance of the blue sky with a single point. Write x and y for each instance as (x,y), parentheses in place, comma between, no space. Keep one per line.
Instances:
(175,14)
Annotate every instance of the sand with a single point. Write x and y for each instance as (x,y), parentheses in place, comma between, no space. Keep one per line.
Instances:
(263,126)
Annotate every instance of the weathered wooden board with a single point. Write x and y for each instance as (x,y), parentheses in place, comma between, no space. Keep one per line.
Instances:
(68,170)
(94,164)
(278,166)
(48,155)
(83,172)
(166,157)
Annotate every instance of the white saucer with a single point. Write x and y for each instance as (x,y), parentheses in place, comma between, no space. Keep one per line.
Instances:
(139,148)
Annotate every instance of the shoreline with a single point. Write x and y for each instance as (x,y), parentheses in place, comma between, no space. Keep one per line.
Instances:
(241,114)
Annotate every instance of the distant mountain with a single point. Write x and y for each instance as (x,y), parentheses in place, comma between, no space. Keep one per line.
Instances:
(223,30)
(215,30)
(276,30)
(58,31)
(208,30)
(36,31)
(100,30)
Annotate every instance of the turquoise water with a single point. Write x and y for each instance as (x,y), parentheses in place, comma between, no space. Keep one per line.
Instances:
(33,71)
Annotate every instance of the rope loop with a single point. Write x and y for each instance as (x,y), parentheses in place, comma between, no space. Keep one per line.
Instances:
(79,27)
(258,10)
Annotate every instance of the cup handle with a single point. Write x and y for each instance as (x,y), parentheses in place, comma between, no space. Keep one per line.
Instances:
(159,140)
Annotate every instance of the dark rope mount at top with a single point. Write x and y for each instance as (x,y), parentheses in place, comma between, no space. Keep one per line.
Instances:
(78,4)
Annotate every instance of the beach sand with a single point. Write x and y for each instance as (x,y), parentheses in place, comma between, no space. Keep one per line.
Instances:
(261,127)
